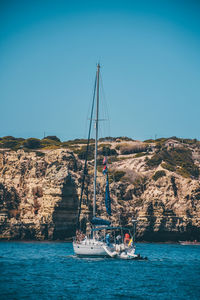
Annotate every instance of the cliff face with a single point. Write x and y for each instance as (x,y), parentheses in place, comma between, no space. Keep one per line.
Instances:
(39,193)
(168,209)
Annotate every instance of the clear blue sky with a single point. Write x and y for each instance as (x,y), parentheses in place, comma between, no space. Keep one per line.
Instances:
(150,56)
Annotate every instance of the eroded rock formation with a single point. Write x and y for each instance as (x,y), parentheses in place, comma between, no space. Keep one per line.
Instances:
(39,192)
(38,195)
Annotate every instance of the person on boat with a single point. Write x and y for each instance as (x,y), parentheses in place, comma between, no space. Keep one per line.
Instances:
(79,236)
(97,236)
(108,239)
(82,236)
(126,238)
(118,239)
(118,243)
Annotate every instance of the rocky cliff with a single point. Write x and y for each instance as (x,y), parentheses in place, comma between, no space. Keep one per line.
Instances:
(38,194)
(156,183)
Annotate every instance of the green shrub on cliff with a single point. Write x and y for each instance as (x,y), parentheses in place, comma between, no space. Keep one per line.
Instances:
(168,167)
(49,143)
(53,138)
(158,175)
(118,175)
(106,151)
(161,140)
(139,154)
(175,159)
(32,143)
(126,148)
(139,186)
(8,144)
(181,171)
(11,142)
(149,141)
(82,152)
(77,142)
(108,139)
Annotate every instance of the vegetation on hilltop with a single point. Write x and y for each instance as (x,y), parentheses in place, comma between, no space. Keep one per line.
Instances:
(115,139)
(52,137)
(104,150)
(81,152)
(32,143)
(48,142)
(163,140)
(177,159)
(126,148)
(11,142)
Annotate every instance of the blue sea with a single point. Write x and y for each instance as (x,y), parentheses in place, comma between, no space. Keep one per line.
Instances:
(48,270)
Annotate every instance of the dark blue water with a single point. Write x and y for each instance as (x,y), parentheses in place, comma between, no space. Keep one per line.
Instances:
(50,271)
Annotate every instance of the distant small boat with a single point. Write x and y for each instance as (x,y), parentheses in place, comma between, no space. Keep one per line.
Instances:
(185,243)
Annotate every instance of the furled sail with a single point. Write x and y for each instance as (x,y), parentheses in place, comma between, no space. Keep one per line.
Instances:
(99,221)
(107,197)
(107,194)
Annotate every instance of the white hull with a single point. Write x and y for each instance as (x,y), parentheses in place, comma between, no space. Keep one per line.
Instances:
(90,247)
(94,248)
(111,253)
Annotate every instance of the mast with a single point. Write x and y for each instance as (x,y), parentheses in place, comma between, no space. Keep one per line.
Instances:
(96,141)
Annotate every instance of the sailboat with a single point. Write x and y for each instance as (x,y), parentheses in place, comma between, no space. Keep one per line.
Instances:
(103,240)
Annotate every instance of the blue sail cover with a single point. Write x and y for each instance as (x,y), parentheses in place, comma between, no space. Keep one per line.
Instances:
(99,221)
(107,198)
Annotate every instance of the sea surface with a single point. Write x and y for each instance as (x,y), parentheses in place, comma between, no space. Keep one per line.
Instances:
(48,270)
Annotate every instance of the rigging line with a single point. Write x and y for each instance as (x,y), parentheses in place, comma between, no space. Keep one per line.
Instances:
(105,107)
(86,156)
(104,98)
(88,116)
